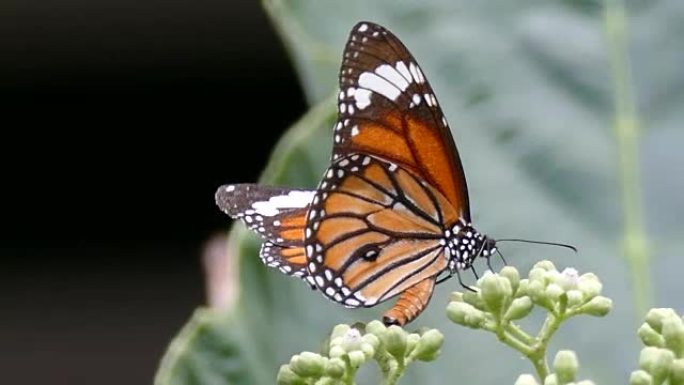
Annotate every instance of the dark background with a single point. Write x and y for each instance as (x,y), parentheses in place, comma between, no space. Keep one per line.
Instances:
(120,119)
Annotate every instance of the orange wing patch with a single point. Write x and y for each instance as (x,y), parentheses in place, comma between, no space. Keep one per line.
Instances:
(374,231)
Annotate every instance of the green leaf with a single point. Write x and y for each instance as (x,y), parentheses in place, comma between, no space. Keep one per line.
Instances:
(526,87)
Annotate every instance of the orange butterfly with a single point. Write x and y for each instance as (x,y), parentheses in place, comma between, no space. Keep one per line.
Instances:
(391,213)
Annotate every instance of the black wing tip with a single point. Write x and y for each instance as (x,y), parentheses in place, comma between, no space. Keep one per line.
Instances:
(223,197)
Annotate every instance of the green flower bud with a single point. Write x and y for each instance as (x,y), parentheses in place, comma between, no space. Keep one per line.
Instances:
(307,364)
(551,379)
(395,341)
(657,362)
(523,288)
(368,350)
(474,299)
(575,298)
(496,292)
(650,337)
(335,368)
(339,331)
(356,358)
(512,275)
(568,279)
(327,381)
(598,306)
(520,307)
(536,290)
(545,265)
(590,285)
(673,332)
(376,327)
(537,274)
(351,340)
(428,346)
(565,365)
(655,317)
(465,314)
(553,292)
(456,296)
(411,341)
(677,372)
(336,351)
(640,377)
(287,377)
(371,340)
(526,379)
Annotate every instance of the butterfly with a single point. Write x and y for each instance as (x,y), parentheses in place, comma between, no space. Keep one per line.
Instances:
(391,213)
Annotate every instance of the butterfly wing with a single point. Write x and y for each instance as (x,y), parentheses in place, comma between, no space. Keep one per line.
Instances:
(374,230)
(278,215)
(388,109)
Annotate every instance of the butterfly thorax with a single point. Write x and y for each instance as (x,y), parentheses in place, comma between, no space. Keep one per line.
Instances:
(464,244)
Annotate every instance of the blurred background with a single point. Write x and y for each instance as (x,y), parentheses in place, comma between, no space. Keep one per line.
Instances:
(120,120)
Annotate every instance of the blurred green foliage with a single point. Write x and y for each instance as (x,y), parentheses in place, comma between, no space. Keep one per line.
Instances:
(529,91)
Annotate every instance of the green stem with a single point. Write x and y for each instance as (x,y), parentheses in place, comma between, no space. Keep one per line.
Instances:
(627,127)
(518,333)
(396,371)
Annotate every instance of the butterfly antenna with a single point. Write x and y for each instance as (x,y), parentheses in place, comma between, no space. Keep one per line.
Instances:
(573,248)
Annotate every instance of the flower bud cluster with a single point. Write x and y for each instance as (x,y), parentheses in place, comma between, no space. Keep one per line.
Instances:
(565,367)
(662,360)
(505,297)
(349,349)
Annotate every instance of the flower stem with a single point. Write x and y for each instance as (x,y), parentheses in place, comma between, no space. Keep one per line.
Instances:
(627,127)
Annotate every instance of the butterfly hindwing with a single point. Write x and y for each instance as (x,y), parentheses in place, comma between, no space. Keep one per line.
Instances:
(388,109)
(374,231)
(278,215)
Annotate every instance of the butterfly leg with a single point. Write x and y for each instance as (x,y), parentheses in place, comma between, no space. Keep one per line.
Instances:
(460,280)
(502,257)
(472,268)
(411,303)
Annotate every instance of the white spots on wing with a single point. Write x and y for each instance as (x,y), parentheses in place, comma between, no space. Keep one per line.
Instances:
(355,130)
(416,99)
(428,100)
(393,76)
(343,108)
(276,223)
(376,34)
(319,280)
(312,267)
(392,167)
(308,232)
(309,250)
(346,122)
(352,302)
(230,188)
(364,39)
(338,126)
(338,282)
(363,27)
(379,85)
(340,173)
(341,96)
(444,121)
(404,71)
(271,207)
(337,139)
(416,73)
(350,109)
(344,162)
(329,291)
(329,174)
(362,97)
(328,275)
(351,91)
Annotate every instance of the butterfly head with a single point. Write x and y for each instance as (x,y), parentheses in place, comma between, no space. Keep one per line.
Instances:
(465,244)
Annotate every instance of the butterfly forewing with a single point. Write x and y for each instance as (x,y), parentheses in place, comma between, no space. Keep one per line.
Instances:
(278,215)
(388,109)
(374,230)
